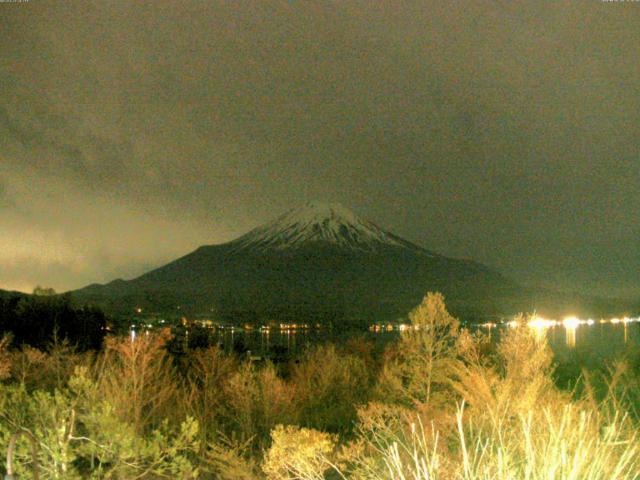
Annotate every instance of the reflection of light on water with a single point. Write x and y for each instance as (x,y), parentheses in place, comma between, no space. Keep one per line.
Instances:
(570,335)
(133,335)
(571,323)
(264,338)
(540,326)
(539,331)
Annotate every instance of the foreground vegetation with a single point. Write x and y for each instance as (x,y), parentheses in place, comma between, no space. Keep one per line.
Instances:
(440,404)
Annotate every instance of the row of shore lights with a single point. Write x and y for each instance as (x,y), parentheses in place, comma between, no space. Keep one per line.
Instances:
(537,321)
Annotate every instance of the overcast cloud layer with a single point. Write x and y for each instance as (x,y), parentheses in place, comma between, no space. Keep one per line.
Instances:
(133,132)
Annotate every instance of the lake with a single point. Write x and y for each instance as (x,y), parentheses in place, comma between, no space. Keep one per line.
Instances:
(574,342)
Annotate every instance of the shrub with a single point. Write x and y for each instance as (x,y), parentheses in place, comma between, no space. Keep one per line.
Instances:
(207,372)
(516,381)
(297,453)
(5,359)
(80,436)
(229,459)
(256,400)
(329,386)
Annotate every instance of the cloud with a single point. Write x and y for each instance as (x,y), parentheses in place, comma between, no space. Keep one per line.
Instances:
(5,197)
(507,133)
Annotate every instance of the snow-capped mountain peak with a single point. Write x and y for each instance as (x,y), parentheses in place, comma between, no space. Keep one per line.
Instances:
(319,223)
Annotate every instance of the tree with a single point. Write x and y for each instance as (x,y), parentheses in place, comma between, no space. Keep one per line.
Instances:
(39,320)
(44,291)
(425,355)
(298,453)
(139,379)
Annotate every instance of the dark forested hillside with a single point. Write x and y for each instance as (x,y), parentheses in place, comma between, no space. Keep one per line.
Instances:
(39,320)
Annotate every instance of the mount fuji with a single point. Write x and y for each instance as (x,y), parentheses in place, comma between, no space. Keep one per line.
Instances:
(319,224)
(320,263)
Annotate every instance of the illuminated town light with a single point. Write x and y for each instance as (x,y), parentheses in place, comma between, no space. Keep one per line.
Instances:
(539,322)
(571,322)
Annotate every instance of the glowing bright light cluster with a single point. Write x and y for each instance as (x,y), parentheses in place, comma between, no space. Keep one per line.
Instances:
(540,322)
(572,321)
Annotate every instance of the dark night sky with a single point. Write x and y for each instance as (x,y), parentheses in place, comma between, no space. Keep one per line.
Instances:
(505,131)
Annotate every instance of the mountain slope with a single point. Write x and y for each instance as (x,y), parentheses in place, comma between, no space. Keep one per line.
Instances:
(318,263)
(7,294)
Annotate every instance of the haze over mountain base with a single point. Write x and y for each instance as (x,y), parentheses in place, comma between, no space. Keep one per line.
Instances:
(321,264)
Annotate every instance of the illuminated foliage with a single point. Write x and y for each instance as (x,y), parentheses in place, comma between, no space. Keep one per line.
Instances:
(425,356)
(80,436)
(298,453)
(442,406)
(5,359)
(329,386)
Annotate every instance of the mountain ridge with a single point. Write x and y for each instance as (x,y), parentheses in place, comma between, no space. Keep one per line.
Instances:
(319,262)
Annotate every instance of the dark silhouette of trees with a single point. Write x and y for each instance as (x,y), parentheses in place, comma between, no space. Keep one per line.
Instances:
(44,291)
(39,319)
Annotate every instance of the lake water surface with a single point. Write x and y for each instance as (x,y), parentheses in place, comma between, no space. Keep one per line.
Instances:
(589,345)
